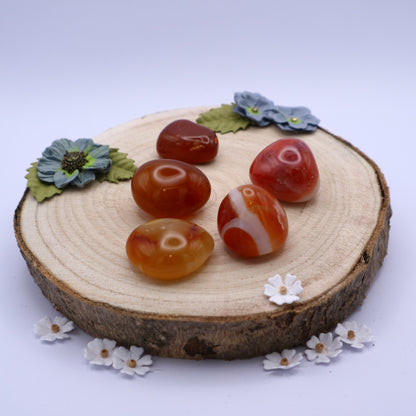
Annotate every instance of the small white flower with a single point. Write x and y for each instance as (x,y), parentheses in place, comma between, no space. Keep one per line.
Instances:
(324,348)
(287,359)
(52,330)
(280,291)
(131,361)
(352,334)
(100,351)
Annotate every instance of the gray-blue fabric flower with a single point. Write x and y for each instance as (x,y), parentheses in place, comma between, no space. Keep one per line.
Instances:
(67,162)
(253,106)
(294,118)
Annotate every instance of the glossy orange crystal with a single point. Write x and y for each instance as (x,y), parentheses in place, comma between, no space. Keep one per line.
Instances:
(252,222)
(170,188)
(169,248)
(187,141)
(287,169)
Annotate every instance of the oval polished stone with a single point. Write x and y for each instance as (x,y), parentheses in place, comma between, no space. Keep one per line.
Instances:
(252,222)
(169,248)
(287,169)
(170,188)
(187,141)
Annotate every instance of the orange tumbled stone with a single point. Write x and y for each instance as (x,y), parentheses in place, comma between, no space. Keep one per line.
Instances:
(169,248)
(170,188)
(252,222)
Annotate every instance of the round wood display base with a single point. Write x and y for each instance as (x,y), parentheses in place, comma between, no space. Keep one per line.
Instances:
(74,245)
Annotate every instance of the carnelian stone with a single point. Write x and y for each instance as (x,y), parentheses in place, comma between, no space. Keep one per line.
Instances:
(252,222)
(187,141)
(287,169)
(170,188)
(169,248)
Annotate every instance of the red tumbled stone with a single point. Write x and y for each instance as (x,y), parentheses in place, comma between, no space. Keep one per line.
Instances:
(287,169)
(187,141)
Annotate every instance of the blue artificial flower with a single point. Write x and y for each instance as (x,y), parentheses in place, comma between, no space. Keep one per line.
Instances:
(253,106)
(293,118)
(66,162)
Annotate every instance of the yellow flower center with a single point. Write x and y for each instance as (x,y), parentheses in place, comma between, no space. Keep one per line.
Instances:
(284,361)
(104,353)
(351,334)
(283,290)
(319,347)
(132,363)
(55,328)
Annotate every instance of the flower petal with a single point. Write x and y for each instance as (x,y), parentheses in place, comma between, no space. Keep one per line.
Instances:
(290,279)
(61,335)
(84,177)
(289,354)
(311,119)
(58,148)
(67,326)
(136,352)
(141,371)
(289,298)
(118,363)
(127,370)
(300,112)
(276,281)
(51,337)
(43,326)
(312,342)
(326,338)
(269,365)
(341,330)
(284,126)
(278,299)
(109,344)
(311,354)
(61,179)
(365,333)
(83,144)
(122,353)
(99,151)
(322,358)
(145,360)
(100,164)
(269,290)
(47,166)
(251,99)
(296,288)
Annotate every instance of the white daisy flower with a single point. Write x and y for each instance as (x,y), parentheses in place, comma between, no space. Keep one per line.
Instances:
(131,361)
(324,348)
(100,351)
(49,330)
(280,291)
(287,359)
(351,333)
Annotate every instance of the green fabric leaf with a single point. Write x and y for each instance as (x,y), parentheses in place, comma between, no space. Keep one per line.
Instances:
(223,119)
(122,168)
(40,190)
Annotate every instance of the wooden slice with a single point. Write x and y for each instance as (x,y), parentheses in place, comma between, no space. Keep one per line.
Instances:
(74,245)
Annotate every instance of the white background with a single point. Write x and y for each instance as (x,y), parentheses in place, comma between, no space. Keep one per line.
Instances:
(76,68)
